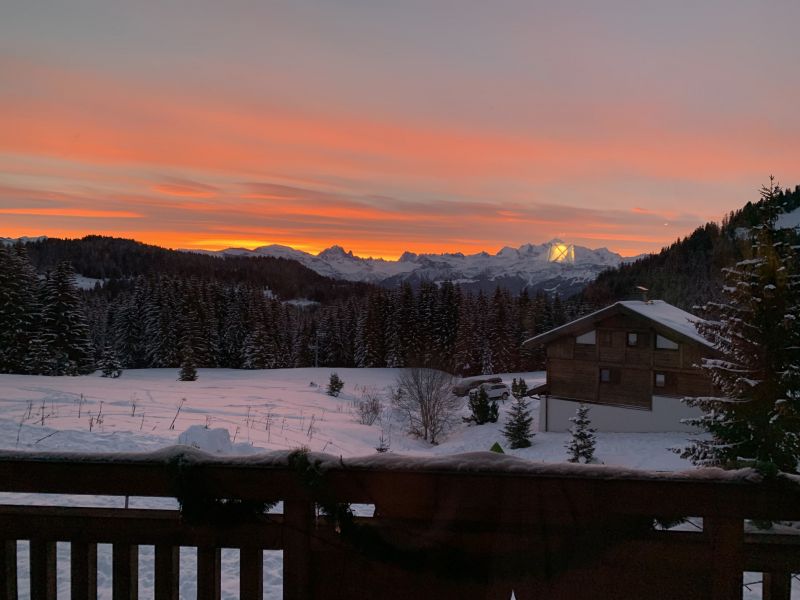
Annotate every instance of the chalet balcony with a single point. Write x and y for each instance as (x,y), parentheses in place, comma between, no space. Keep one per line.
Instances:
(469,526)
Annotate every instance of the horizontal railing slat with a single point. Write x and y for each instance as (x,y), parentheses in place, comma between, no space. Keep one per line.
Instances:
(430,492)
(132,526)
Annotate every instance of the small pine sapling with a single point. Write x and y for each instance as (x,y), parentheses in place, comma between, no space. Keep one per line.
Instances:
(581,446)
(188,371)
(335,385)
(518,427)
(482,410)
(383,443)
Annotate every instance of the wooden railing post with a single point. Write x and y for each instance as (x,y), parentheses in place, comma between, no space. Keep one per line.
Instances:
(209,578)
(251,573)
(777,586)
(8,569)
(43,570)
(298,518)
(125,572)
(83,571)
(726,536)
(167,571)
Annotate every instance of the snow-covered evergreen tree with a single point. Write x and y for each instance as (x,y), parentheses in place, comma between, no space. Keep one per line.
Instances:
(482,409)
(258,349)
(755,330)
(64,328)
(129,327)
(518,426)
(20,311)
(188,371)
(335,385)
(500,332)
(581,447)
(109,363)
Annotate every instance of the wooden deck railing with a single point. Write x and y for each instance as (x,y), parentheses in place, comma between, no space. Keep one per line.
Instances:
(458,527)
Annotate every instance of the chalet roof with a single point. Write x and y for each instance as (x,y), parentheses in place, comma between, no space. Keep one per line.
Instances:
(664,317)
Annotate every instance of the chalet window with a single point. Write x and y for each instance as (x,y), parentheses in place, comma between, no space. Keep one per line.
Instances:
(608,375)
(605,339)
(661,380)
(589,338)
(663,343)
(633,338)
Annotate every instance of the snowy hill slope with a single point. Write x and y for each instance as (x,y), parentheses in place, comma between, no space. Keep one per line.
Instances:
(515,268)
(788,220)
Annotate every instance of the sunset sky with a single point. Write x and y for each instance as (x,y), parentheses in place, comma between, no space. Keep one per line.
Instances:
(385,126)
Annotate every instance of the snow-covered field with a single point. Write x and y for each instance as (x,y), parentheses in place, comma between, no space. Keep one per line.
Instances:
(274,409)
(261,410)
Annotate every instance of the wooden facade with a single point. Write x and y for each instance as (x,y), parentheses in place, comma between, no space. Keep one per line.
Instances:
(624,361)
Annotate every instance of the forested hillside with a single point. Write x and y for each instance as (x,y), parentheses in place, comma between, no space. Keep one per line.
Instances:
(48,326)
(688,273)
(121,260)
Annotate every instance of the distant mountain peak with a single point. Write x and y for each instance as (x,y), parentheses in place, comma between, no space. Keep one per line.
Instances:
(22,240)
(515,268)
(336,251)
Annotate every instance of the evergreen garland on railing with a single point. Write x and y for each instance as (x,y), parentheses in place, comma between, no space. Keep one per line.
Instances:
(197,507)
(440,559)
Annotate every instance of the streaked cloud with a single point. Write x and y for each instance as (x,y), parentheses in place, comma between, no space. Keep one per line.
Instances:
(72,213)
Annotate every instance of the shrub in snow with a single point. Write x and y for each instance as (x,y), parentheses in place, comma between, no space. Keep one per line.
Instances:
(496,447)
(335,385)
(482,410)
(369,408)
(518,427)
(755,328)
(522,389)
(581,446)
(425,398)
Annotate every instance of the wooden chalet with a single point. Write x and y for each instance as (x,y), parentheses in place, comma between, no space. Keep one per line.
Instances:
(631,356)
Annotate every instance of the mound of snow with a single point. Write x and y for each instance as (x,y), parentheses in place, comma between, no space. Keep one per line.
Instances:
(213,441)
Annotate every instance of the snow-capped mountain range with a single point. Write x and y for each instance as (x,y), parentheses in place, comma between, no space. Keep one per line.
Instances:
(515,268)
(23,240)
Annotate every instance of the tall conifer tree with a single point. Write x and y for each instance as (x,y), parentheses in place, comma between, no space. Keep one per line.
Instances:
(755,330)
(64,328)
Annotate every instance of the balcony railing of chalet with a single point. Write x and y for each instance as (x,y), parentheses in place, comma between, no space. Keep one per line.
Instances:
(469,526)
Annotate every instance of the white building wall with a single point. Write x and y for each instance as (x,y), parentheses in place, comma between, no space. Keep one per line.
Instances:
(666,415)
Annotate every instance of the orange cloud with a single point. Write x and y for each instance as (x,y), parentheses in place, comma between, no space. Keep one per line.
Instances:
(72,213)
(191,189)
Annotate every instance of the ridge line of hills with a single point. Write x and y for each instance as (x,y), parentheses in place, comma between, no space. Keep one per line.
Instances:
(685,273)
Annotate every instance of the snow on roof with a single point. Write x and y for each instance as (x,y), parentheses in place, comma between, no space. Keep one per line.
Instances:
(669,316)
(657,311)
